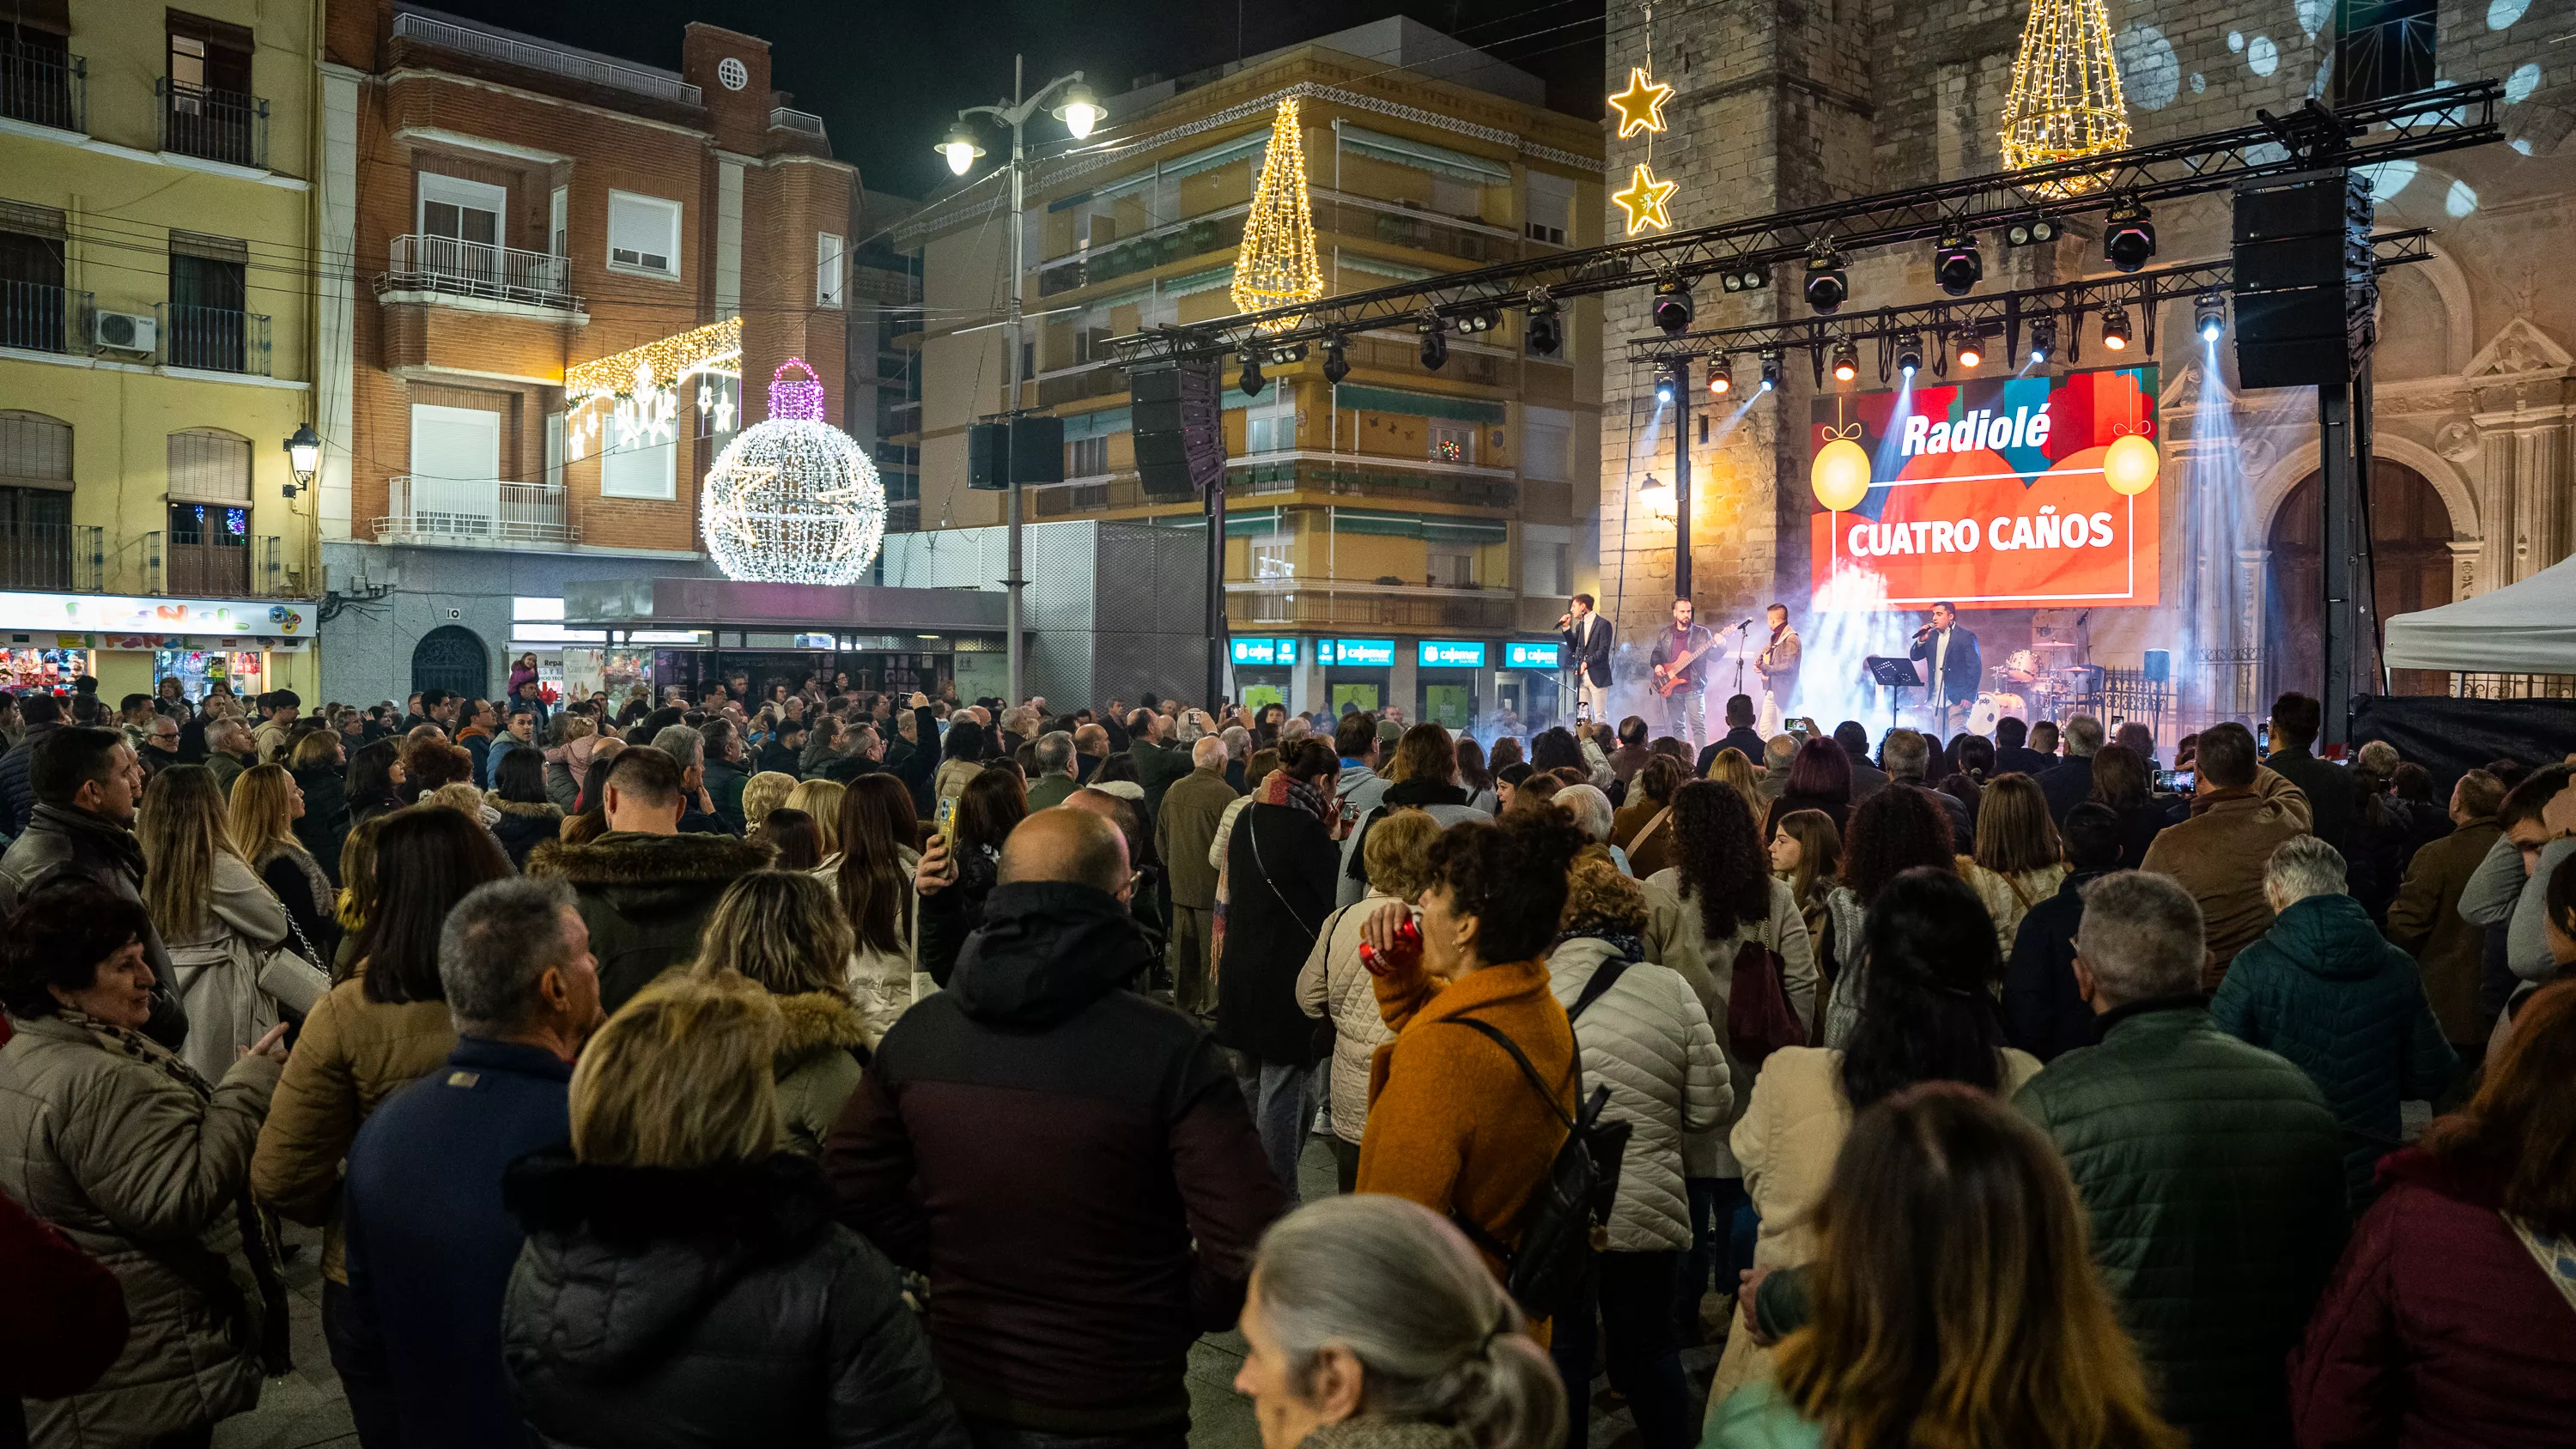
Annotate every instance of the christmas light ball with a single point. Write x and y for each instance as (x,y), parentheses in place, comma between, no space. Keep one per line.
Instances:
(793,499)
(2130,465)
(1841,475)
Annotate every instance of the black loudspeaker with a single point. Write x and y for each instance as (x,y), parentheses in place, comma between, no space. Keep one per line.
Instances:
(1037,449)
(1178,423)
(988,457)
(2159,668)
(2306,288)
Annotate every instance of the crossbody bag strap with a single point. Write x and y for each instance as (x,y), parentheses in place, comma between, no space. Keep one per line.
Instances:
(1536,1083)
(1639,838)
(1599,986)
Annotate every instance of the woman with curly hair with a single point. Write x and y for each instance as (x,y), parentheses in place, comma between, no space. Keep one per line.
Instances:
(1727,902)
(1820,778)
(1891,833)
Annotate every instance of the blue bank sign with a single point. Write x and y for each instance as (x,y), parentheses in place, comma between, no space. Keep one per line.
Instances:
(1450,654)
(1356,653)
(1264,651)
(1522,655)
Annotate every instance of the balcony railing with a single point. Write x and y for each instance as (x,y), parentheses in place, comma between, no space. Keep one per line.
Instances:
(43,319)
(474,512)
(213,339)
(43,87)
(1146,250)
(786,118)
(1345,475)
(1343,602)
(245,567)
(534,55)
(211,125)
(424,263)
(62,558)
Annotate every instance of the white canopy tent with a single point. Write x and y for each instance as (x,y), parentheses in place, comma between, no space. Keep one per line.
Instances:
(2524,628)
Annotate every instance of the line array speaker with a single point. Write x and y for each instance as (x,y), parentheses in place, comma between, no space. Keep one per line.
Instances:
(1179,427)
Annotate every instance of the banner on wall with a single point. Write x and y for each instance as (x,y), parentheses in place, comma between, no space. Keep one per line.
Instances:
(1991,493)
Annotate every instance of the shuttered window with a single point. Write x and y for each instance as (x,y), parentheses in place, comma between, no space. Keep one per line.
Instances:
(209,467)
(35,449)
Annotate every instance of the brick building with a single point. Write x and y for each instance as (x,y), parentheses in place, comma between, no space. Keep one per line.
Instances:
(1787,106)
(570,277)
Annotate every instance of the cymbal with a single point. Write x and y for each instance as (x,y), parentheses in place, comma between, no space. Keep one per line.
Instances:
(2052,643)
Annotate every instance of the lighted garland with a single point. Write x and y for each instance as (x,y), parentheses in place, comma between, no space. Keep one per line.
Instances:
(1275,265)
(2065,102)
(793,499)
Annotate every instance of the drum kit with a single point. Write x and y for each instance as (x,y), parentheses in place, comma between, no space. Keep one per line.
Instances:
(2045,682)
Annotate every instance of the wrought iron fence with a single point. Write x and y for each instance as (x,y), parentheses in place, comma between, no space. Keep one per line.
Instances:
(469,511)
(52,557)
(213,125)
(213,339)
(43,87)
(40,318)
(2513,686)
(427,263)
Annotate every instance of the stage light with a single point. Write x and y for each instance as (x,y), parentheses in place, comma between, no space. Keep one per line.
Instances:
(2043,340)
(1663,387)
(2209,316)
(2031,232)
(1337,363)
(1909,353)
(2129,238)
(1546,333)
(1957,264)
(1483,319)
(1673,306)
(2115,327)
(1828,286)
(1846,361)
(1435,340)
(959,148)
(1721,378)
(1971,353)
(1251,380)
(1770,368)
(1744,277)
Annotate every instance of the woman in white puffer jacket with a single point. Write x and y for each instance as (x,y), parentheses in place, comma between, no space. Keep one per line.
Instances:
(1645,1036)
(1334,986)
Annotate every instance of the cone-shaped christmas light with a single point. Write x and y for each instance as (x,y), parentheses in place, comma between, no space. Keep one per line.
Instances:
(1275,265)
(2065,101)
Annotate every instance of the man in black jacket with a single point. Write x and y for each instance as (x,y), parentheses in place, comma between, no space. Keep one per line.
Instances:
(1282,869)
(1588,640)
(1037,1076)
(2296,720)
(913,758)
(44,715)
(2070,782)
(2013,754)
(1953,671)
(2045,1013)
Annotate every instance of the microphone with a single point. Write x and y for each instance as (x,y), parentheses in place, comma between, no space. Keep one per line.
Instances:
(1565,620)
(1921,633)
(1747,624)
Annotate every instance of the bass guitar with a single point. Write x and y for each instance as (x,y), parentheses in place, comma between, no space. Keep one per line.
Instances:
(1668,676)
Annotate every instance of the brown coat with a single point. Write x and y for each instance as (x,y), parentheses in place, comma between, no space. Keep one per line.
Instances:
(2425,920)
(2219,854)
(1630,823)
(1452,1123)
(1183,831)
(352,1054)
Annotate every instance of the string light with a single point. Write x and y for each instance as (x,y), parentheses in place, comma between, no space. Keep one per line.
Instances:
(794,499)
(664,363)
(1644,200)
(1641,105)
(640,389)
(2065,101)
(1275,265)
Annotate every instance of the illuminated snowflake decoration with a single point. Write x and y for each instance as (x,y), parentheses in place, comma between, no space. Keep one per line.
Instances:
(793,500)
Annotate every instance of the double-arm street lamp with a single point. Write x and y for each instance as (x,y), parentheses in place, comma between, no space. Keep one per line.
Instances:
(1080,111)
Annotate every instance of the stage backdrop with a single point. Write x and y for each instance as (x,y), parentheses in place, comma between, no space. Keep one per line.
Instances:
(1989,493)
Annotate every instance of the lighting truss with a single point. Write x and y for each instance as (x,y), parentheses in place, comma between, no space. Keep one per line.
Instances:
(2003,315)
(2446,118)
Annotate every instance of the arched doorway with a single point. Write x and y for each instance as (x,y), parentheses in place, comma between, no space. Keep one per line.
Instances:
(2410,546)
(452,658)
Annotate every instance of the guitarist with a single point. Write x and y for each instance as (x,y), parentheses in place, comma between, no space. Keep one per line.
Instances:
(1680,657)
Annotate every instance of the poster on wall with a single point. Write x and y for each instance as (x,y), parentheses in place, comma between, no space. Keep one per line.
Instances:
(1991,493)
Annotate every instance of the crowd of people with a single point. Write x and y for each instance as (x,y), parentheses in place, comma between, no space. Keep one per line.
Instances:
(833,1067)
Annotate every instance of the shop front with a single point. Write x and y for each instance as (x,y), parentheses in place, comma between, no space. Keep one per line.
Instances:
(1265,670)
(694,634)
(131,644)
(1358,674)
(1448,672)
(1528,685)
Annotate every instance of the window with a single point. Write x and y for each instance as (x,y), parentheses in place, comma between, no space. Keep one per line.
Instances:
(1087,457)
(450,443)
(204,322)
(643,233)
(1271,427)
(1547,444)
(558,213)
(1452,565)
(831,270)
(650,471)
(1546,561)
(32,305)
(461,210)
(34,447)
(209,467)
(1551,209)
(1270,557)
(1453,442)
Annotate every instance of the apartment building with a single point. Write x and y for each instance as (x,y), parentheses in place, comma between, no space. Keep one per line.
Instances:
(156,219)
(570,279)
(885,338)
(1404,536)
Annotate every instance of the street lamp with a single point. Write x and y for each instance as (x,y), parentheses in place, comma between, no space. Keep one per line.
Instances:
(303,457)
(1079,111)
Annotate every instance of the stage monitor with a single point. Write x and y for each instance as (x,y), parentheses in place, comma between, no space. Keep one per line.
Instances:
(1990,493)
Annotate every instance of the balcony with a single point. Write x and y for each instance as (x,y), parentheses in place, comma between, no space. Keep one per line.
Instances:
(210,125)
(1143,252)
(785,118)
(213,339)
(244,567)
(38,318)
(536,55)
(43,86)
(445,264)
(475,513)
(1342,603)
(55,558)
(1343,475)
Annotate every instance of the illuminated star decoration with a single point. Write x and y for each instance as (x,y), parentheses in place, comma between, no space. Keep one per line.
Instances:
(1644,200)
(1641,105)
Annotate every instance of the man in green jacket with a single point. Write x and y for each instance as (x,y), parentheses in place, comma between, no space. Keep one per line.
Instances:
(1160,762)
(2326,990)
(2212,1169)
(1053,780)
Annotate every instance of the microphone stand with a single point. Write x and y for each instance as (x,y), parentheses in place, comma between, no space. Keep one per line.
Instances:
(1740,631)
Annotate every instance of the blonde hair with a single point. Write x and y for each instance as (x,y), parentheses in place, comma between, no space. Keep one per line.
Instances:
(822,800)
(781,928)
(2014,833)
(1736,773)
(763,793)
(680,1077)
(459,796)
(181,829)
(262,818)
(1397,854)
(316,749)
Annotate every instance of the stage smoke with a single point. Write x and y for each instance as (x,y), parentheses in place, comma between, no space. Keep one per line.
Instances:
(2214,673)
(1848,620)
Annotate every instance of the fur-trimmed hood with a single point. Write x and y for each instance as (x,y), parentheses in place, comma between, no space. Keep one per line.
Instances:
(632,858)
(815,1022)
(542,810)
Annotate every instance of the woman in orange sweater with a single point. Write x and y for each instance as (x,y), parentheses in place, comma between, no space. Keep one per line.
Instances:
(1453,1123)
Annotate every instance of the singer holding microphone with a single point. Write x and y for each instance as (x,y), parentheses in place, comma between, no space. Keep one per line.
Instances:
(1950,663)
(1587,654)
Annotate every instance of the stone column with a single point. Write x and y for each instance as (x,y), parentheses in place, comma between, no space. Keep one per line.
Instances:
(2465,553)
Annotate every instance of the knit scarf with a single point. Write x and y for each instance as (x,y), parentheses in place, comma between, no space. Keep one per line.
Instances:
(1618,938)
(1279,789)
(125,1041)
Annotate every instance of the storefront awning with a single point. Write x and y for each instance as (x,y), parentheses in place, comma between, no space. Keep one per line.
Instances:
(734,603)
(1418,404)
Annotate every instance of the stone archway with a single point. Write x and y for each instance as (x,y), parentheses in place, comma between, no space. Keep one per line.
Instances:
(2411,528)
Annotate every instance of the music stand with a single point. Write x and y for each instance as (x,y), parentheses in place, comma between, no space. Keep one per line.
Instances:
(1892,674)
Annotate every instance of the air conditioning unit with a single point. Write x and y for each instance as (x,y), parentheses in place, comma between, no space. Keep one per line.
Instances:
(126,331)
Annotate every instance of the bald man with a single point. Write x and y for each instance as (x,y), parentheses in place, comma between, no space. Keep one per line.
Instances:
(1035,1077)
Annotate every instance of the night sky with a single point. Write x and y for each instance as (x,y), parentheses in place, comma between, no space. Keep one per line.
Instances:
(888,77)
